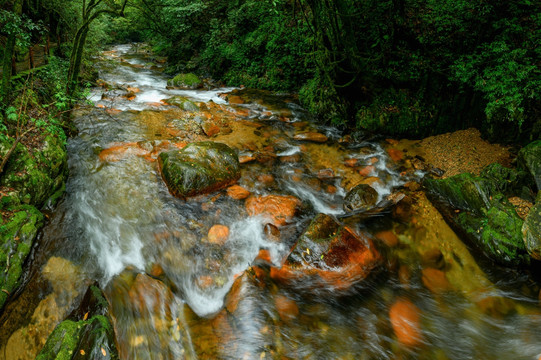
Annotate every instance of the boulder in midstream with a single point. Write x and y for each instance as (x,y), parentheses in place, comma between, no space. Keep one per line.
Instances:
(360,198)
(531,230)
(199,168)
(329,254)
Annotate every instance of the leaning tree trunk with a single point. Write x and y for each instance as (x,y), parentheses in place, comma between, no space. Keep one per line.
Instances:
(8,54)
(76,59)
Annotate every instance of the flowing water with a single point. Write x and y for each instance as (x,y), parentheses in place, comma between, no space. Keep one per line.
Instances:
(174,294)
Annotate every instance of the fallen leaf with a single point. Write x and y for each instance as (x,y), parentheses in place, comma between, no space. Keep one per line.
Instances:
(103,352)
(85,317)
(82,352)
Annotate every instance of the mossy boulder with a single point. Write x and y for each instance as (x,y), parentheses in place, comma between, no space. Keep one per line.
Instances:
(529,159)
(187,81)
(199,168)
(87,334)
(17,235)
(34,176)
(531,229)
(483,213)
(511,182)
(183,103)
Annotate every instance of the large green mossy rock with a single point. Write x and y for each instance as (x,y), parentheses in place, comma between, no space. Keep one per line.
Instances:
(529,159)
(34,176)
(183,103)
(83,337)
(187,81)
(484,214)
(531,229)
(199,168)
(17,235)
(511,182)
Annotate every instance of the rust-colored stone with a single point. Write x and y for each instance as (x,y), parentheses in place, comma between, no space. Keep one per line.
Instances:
(237,192)
(405,320)
(279,209)
(218,234)
(395,154)
(388,238)
(286,307)
(435,280)
(367,170)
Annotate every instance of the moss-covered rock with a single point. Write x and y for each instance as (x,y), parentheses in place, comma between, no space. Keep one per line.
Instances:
(187,81)
(17,235)
(199,168)
(531,229)
(484,214)
(511,182)
(529,159)
(183,103)
(87,334)
(35,175)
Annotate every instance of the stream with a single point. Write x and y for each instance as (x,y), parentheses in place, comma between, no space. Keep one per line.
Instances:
(175,294)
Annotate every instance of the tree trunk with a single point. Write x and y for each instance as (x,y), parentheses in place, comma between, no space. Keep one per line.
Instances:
(7,62)
(31,57)
(76,58)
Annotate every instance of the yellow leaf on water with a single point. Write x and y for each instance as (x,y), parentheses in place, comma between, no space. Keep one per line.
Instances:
(103,352)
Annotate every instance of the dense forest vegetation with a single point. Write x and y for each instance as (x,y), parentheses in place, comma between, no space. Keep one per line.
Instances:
(404,68)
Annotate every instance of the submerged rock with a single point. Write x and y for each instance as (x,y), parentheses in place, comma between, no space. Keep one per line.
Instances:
(311,136)
(482,213)
(88,334)
(531,230)
(278,209)
(360,198)
(199,168)
(187,81)
(406,322)
(529,159)
(331,255)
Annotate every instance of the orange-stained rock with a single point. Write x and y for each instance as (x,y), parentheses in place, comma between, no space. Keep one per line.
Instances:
(295,158)
(331,189)
(367,170)
(287,308)
(325,174)
(204,281)
(351,162)
(311,136)
(119,152)
(406,322)
(235,99)
(243,159)
(388,238)
(340,259)
(392,141)
(218,234)
(265,179)
(237,192)
(101,106)
(263,256)
(371,180)
(133,89)
(272,232)
(156,270)
(435,280)
(279,209)
(210,129)
(236,293)
(113,111)
(373,160)
(395,154)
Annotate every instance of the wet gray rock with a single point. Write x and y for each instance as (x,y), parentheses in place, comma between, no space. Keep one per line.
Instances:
(529,159)
(531,230)
(199,168)
(360,198)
